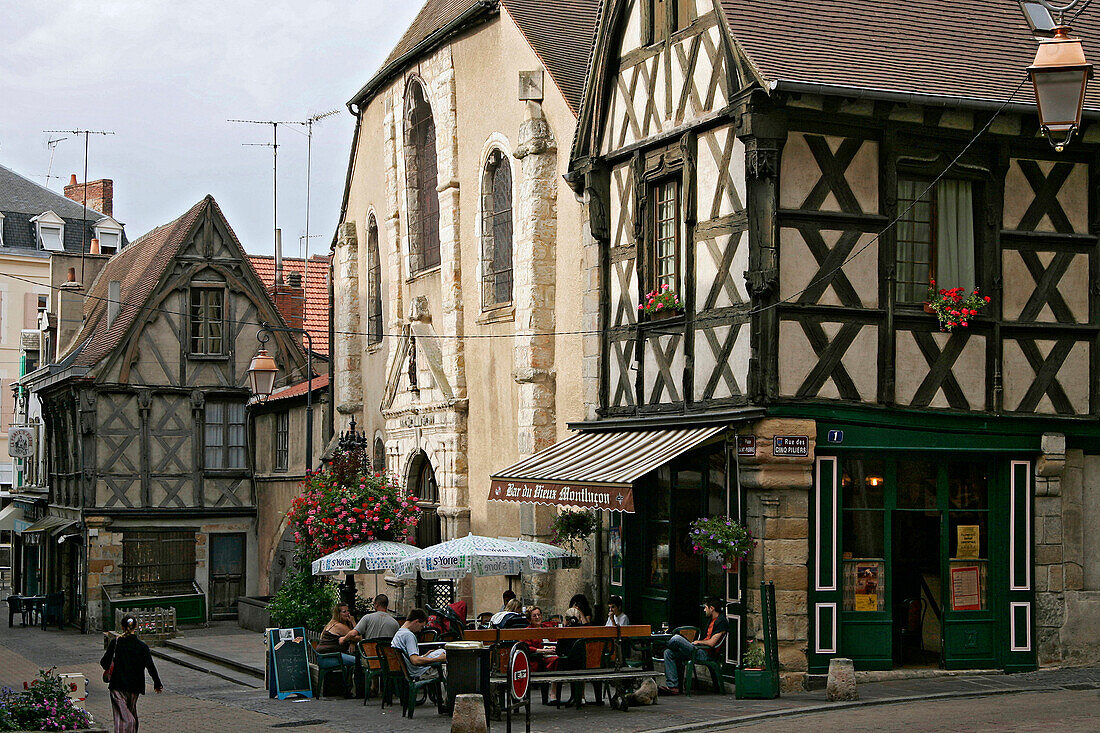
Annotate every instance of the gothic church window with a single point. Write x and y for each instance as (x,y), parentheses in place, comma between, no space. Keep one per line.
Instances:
(935,237)
(374,284)
(207,321)
(379,455)
(496,232)
(421,180)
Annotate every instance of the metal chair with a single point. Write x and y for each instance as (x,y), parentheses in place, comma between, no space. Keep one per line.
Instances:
(54,610)
(483,620)
(15,605)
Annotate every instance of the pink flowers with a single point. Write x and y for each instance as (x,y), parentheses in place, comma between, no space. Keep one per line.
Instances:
(661,300)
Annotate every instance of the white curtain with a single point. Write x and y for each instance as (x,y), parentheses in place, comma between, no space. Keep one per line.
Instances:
(955,235)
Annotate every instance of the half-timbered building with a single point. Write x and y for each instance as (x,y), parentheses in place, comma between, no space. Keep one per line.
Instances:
(796,173)
(149,474)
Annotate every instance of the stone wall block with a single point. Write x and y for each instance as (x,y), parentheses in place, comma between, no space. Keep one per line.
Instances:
(785,552)
(1074,576)
(1048,554)
(1050,609)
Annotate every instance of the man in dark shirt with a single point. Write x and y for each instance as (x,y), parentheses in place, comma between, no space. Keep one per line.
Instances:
(680,649)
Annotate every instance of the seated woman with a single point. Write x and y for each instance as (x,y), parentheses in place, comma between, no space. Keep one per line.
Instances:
(568,654)
(509,618)
(335,636)
(580,602)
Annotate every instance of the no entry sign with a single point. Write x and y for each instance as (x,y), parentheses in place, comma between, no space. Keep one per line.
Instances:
(520,673)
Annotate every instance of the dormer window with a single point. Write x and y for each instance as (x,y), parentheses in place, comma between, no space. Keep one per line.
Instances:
(49,231)
(109,233)
(1,230)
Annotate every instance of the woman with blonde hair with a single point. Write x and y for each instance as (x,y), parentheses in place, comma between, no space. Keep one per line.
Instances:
(124,664)
(335,636)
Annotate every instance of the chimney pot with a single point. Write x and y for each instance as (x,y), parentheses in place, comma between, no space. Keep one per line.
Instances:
(72,274)
(72,179)
(100,194)
(294,279)
(95,246)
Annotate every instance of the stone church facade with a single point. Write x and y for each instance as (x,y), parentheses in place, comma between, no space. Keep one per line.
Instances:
(459,249)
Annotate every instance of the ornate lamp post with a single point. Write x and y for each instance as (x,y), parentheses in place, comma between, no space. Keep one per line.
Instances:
(1060,76)
(262,371)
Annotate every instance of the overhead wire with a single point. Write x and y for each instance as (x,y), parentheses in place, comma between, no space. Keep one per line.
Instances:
(593,332)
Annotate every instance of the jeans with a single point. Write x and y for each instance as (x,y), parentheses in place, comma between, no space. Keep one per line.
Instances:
(679,650)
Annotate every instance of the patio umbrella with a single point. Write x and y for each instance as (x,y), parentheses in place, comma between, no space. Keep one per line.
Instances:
(378,556)
(470,555)
(551,557)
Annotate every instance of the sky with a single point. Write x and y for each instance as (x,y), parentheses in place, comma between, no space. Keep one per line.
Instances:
(165,76)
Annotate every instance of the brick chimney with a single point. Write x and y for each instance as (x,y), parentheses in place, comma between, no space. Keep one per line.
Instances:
(101,194)
(290,299)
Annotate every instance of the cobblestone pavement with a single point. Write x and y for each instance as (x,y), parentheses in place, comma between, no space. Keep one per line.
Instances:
(195,701)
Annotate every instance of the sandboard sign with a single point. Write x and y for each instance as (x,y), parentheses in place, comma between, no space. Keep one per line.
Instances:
(519,684)
(288,663)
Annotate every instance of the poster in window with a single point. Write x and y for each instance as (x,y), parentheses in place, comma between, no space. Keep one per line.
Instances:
(615,547)
(969,541)
(866,593)
(966,588)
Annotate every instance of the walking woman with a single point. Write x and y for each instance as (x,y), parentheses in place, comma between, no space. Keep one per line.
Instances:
(124,666)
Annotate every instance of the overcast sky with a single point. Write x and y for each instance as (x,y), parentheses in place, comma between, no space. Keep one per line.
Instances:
(165,76)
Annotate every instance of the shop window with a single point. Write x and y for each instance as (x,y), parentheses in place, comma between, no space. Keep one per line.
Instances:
(968,535)
(496,232)
(421,179)
(916,484)
(658,564)
(224,435)
(282,441)
(863,538)
(207,321)
(935,238)
(154,558)
(374,284)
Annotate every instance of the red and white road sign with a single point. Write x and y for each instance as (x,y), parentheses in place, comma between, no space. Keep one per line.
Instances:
(520,673)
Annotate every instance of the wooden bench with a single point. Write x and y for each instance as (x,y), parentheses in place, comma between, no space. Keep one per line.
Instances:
(619,681)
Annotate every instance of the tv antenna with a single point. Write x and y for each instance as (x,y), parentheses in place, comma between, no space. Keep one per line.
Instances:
(84,215)
(274,145)
(52,145)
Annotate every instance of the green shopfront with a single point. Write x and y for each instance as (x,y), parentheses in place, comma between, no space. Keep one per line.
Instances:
(921,547)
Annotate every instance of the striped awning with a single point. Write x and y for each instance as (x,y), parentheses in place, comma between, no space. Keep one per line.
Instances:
(594,470)
(49,523)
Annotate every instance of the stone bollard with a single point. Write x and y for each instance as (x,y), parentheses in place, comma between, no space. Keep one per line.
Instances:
(469,715)
(842,680)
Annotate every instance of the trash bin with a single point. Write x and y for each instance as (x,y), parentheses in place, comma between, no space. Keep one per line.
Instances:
(467,671)
(76,687)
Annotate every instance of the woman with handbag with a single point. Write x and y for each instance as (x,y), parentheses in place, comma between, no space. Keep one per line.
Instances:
(124,664)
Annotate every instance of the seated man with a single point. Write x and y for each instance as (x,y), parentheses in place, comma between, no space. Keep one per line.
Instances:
(680,649)
(377,625)
(405,639)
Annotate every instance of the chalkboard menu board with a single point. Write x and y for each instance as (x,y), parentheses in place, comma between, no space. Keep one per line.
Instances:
(288,663)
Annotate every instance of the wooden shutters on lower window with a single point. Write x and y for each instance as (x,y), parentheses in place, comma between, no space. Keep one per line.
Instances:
(152,559)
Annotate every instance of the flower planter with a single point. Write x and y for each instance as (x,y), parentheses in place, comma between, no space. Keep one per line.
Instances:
(755,684)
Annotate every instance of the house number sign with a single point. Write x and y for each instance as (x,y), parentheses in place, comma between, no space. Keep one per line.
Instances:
(791,446)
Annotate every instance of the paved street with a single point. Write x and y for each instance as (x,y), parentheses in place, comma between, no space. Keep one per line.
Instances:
(196,701)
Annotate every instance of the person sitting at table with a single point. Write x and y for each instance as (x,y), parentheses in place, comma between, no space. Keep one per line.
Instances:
(535,618)
(379,624)
(570,654)
(509,618)
(508,595)
(615,615)
(405,639)
(580,602)
(337,635)
(680,649)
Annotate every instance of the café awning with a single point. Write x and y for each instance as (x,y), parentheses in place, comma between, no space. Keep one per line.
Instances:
(50,523)
(595,470)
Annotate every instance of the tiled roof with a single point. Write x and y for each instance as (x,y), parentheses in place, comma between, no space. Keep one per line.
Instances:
(561,32)
(977,50)
(316,287)
(299,389)
(21,199)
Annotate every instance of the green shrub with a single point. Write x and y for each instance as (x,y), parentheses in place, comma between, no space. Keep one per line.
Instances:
(754,657)
(303,600)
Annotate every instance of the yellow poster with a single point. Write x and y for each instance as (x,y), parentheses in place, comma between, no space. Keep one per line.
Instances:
(866,590)
(969,541)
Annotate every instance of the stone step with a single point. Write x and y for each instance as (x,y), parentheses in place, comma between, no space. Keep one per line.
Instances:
(208,666)
(243,668)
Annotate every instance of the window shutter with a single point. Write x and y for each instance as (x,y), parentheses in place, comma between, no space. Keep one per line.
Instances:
(30,310)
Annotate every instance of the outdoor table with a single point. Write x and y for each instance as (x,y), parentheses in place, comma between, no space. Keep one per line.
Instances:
(430,646)
(36,605)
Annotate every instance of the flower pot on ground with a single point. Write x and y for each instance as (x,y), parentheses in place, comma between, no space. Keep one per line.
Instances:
(755,684)
(44,704)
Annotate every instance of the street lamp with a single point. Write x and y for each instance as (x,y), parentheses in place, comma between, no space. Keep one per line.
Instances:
(262,371)
(1060,76)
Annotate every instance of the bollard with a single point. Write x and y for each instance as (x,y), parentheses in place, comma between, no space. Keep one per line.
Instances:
(469,715)
(842,680)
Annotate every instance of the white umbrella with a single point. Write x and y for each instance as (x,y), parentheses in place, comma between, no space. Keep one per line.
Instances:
(551,557)
(470,555)
(378,556)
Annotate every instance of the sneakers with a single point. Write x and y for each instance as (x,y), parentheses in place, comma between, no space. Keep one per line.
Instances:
(668,691)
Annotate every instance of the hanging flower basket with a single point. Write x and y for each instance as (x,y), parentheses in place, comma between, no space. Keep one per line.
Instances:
(661,303)
(723,539)
(952,307)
